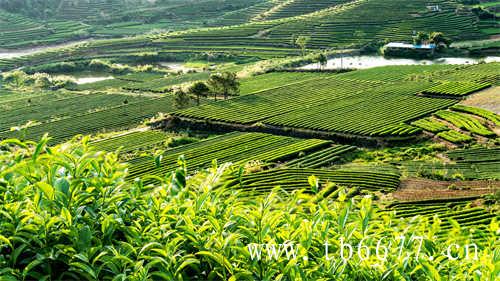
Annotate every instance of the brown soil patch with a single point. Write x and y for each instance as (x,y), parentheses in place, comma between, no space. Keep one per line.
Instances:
(425,189)
(488,99)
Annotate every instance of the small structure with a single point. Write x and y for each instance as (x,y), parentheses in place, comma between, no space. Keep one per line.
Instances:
(433,8)
(398,49)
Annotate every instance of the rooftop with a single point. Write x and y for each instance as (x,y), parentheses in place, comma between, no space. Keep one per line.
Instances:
(410,46)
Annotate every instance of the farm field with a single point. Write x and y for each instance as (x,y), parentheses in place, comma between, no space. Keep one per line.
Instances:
(334,102)
(232,147)
(342,24)
(249,140)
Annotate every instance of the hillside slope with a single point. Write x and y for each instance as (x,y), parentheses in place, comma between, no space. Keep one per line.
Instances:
(263,28)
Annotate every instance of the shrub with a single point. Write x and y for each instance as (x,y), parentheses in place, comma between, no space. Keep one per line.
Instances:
(67,213)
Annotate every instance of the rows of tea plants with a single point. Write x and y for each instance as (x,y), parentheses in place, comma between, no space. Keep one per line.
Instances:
(476,154)
(466,122)
(456,88)
(18,31)
(454,136)
(380,111)
(396,73)
(430,124)
(478,170)
(479,73)
(300,7)
(163,85)
(458,210)
(493,117)
(274,80)
(272,102)
(329,104)
(120,117)
(13,100)
(131,141)
(233,147)
(323,158)
(346,27)
(290,179)
(57,106)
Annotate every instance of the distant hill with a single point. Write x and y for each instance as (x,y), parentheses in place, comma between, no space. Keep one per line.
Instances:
(51,21)
(174,29)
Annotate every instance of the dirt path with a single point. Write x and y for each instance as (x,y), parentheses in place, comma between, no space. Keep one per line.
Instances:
(488,99)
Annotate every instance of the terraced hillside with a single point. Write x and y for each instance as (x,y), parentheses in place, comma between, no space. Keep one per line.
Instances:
(350,24)
(48,22)
(292,8)
(64,116)
(451,211)
(294,179)
(233,147)
(365,103)
(470,163)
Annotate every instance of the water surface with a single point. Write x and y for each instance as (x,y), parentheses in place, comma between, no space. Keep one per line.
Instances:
(363,62)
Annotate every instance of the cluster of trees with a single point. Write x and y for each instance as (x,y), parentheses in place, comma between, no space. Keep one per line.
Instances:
(21,79)
(437,38)
(482,13)
(225,84)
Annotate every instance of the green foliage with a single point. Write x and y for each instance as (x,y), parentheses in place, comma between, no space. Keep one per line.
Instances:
(322,158)
(454,137)
(461,88)
(68,214)
(225,83)
(466,122)
(199,89)
(430,125)
(19,79)
(82,117)
(493,117)
(439,38)
(421,38)
(302,42)
(181,99)
(234,147)
(330,103)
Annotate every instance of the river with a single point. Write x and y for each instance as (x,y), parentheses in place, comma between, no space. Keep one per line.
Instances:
(15,53)
(363,62)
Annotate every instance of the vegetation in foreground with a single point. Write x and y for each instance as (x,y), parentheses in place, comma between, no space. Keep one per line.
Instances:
(67,212)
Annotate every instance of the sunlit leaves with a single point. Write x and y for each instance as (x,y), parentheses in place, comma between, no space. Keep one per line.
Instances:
(70,215)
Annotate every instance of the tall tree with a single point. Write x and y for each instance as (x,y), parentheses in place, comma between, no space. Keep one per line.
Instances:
(181,99)
(199,89)
(225,83)
(439,39)
(322,60)
(301,42)
(420,38)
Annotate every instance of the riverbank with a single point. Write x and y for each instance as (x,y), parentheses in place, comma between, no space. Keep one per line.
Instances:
(15,53)
(370,61)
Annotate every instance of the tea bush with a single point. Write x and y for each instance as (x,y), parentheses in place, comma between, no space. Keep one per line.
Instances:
(67,213)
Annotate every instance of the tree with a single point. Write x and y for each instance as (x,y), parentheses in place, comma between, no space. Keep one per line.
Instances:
(301,42)
(199,89)
(323,60)
(181,99)
(224,83)
(17,77)
(439,39)
(420,38)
